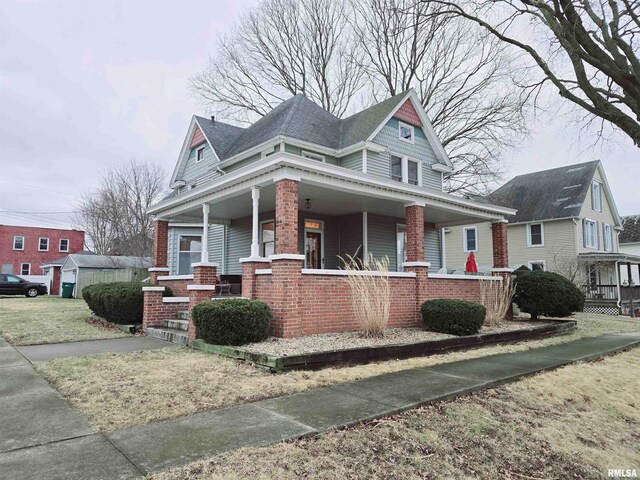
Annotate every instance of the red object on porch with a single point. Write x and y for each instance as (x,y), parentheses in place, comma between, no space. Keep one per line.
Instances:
(471,266)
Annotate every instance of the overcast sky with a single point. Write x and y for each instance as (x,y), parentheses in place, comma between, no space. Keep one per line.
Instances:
(85,85)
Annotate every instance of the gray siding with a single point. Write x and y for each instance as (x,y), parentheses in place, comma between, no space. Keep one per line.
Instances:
(352,161)
(243,163)
(433,247)
(379,164)
(216,246)
(202,171)
(298,151)
(350,235)
(238,244)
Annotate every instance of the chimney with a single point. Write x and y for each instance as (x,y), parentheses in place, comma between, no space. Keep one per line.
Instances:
(213,119)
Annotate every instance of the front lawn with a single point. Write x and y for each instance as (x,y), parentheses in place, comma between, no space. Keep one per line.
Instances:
(119,390)
(575,422)
(29,321)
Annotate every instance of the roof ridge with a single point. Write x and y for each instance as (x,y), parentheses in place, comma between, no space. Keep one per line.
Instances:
(572,165)
(292,109)
(218,121)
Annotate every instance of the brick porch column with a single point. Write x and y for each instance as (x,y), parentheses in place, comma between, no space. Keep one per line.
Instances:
(499,237)
(152,306)
(160,250)
(203,289)
(415,254)
(286,264)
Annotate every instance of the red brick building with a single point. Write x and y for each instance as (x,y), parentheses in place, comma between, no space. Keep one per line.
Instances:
(24,249)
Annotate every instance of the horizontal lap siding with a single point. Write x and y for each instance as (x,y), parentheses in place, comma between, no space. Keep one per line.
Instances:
(350,227)
(202,171)
(433,246)
(298,151)
(216,245)
(352,161)
(381,238)
(238,244)
(379,163)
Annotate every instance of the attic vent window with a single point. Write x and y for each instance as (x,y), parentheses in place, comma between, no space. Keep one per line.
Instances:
(199,154)
(406,132)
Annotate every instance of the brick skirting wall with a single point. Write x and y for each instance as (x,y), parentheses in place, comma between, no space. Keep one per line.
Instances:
(324,301)
(155,310)
(178,287)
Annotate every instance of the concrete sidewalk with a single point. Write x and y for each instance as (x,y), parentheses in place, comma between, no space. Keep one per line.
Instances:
(41,436)
(179,441)
(46,352)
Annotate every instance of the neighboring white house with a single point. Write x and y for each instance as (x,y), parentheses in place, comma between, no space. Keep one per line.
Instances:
(77,267)
(630,243)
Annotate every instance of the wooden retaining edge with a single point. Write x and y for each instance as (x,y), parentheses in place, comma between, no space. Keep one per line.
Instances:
(363,355)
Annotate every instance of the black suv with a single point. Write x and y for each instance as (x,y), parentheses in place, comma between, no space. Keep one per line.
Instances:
(12,285)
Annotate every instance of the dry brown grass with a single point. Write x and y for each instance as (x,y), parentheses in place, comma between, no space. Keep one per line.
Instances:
(496,297)
(576,422)
(29,321)
(119,390)
(370,293)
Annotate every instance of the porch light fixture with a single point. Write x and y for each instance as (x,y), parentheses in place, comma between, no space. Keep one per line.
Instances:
(307,204)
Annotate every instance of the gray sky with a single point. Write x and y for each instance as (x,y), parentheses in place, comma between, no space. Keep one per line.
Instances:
(85,85)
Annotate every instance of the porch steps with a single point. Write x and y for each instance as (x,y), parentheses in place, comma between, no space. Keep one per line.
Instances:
(183,315)
(171,335)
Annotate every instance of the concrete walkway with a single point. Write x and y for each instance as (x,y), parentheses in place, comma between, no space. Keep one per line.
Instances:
(41,436)
(178,441)
(44,353)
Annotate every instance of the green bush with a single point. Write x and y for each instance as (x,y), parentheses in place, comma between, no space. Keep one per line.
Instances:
(232,322)
(548,294)
(118,302)
(456,317)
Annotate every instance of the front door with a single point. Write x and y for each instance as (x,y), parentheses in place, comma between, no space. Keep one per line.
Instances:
(313,244)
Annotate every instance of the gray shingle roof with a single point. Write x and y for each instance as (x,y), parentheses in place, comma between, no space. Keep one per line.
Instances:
(105,261)
(221,135)
(300,118)
(555,193)
(631,232)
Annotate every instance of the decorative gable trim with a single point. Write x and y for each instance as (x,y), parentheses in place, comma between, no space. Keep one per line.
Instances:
(427,127)
(407,113)
(197,138)
(187,145)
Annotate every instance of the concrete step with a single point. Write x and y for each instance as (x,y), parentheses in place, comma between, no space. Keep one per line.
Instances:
(179,337)
(183,315)
(182,325)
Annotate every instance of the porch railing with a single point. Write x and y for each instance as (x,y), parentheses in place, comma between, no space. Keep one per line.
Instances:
(601,292)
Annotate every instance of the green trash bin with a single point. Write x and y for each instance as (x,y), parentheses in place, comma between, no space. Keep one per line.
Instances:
(67,289)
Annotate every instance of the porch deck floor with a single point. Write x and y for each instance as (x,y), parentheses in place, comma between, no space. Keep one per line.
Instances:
(182,440)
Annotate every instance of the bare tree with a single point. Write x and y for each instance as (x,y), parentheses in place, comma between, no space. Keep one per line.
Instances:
(466,79)
(282,48)
(586,49)
(349,53)
(115,214)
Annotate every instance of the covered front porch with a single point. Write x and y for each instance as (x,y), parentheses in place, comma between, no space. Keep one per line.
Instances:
(611,283)
(286,231)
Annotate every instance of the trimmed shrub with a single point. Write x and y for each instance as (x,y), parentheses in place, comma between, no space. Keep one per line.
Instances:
(548,294)
(455,317)
(118,302)
(232,322)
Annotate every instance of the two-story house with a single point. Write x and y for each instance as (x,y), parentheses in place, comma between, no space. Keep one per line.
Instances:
(566,222)
(276,206)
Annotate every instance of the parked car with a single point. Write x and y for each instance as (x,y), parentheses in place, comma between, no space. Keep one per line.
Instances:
(14,285)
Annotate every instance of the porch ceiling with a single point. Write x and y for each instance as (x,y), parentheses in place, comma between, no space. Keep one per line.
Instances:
(324,200)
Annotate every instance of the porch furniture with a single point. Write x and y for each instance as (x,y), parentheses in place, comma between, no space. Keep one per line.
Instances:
(230,284)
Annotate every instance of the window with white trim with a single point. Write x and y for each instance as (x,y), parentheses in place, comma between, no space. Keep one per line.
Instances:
(64,245)
(535,236)
(189,252)
(313,156)
(18,242)
(590,233)
(267,238)
(25,269)
(43,244)
(537,265)
(596,196)
(406,170)
(470,239)
(200,154)
(607,236)
(401,246)
(406,132)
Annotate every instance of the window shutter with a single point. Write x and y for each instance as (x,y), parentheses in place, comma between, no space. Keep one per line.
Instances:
(598,235)
(584,233)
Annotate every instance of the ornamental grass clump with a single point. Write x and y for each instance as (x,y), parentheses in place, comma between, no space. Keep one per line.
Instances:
(370,293)
(496,296)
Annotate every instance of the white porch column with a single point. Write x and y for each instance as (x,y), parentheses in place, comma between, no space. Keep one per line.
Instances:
(204,257)
(255,246)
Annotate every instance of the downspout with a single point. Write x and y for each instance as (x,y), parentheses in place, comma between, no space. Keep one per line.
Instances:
(219,170)
(619,302)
